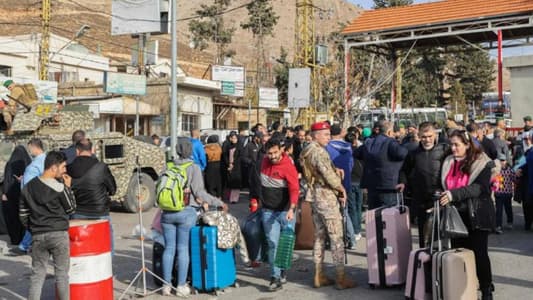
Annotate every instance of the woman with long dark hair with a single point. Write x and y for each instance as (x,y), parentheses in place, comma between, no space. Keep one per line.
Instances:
(465,176)
(13,172)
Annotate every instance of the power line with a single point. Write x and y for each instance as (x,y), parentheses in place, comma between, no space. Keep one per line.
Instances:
(111,15)
(58,28)
(389,77)
(157,21)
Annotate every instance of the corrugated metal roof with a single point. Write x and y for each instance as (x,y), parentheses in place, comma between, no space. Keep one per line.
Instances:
(434,13)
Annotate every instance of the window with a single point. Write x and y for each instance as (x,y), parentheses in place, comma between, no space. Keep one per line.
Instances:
(113,151)
(220,124)
(189,122)
(63,76)
(5,71)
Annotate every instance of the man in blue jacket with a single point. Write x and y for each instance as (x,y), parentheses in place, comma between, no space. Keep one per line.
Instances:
(383,158)
(340,153)
(198,151)
(34,169)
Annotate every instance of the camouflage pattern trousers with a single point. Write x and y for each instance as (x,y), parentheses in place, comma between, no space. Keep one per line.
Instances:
(328,223)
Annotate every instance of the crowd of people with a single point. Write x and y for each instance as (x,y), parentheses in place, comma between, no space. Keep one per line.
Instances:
(343,171)
(42,193)
(479,163)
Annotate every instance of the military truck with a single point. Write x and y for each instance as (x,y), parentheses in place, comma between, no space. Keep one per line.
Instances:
(134,164)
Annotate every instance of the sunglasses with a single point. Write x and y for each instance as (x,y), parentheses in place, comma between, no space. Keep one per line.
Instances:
(464,134)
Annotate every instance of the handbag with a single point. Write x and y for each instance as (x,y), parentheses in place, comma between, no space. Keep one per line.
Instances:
(452,225)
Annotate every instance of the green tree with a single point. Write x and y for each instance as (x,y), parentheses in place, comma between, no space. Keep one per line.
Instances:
(474,70)
(422,79)
(457,99)
(211,28)
(262,18)
(281,74)
(391,3)
(261,22)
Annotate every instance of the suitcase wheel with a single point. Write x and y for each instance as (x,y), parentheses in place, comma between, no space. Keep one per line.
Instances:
(236,285)
(372,286)
(218,293)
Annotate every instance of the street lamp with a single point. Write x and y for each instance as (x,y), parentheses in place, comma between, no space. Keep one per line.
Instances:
(83,29)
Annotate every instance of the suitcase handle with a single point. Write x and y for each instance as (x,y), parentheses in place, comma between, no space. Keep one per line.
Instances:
(399,199)
(436,227)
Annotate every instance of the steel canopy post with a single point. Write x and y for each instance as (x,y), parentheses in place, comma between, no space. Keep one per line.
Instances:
(347,100)
(174,83)
(500,70)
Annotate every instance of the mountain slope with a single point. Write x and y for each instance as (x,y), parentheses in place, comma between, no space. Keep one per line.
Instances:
(22,17)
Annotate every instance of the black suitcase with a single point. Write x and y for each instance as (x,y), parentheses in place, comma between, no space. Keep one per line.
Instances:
(157,265)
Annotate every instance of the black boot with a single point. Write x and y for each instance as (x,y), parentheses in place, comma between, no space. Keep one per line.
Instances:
(486,294)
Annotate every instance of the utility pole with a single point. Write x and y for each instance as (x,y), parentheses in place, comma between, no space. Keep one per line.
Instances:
(141,67)
(44,51)
(305,56)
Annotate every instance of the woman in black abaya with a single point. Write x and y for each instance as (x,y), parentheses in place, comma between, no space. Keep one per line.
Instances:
(11,192)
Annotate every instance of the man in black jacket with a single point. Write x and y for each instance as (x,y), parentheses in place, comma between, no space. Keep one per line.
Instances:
(422,168)
(481,141)
(255,174)
(92,183)
(383,159)
(44,207)
(70,152)
(251,152)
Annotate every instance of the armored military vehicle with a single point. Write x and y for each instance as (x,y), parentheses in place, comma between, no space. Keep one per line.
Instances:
(124,155)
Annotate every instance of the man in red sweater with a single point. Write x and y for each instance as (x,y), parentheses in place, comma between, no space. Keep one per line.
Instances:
(279,198)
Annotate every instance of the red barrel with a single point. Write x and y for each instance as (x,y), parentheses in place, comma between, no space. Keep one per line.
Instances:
(91,273)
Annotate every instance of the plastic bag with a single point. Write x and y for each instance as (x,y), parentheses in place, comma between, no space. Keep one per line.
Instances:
(452,225)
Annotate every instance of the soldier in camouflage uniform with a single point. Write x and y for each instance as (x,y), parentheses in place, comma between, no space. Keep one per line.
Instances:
(17,95)
(325,190)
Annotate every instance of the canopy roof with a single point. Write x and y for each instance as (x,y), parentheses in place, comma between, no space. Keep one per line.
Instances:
(442,23)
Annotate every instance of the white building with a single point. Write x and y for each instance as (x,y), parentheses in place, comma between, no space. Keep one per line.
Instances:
(69,61)
(195,98)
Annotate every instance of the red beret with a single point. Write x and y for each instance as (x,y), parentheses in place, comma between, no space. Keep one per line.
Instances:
(320,126)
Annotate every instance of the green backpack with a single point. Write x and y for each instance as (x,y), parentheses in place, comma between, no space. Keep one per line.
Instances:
(171,187)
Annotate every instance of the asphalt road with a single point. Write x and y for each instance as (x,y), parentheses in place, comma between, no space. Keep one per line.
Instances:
(511,254)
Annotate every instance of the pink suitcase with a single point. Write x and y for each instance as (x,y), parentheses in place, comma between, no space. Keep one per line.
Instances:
(418,286)
(388,243)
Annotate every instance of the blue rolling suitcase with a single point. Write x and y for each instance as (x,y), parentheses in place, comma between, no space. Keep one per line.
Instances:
(212,268)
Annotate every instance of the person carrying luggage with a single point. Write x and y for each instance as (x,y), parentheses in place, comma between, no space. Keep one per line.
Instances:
(279,198)
(326,191)
(466,176)
(422,168)
(179,216)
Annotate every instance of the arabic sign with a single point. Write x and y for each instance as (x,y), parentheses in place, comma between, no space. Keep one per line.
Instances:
(268,97)
(227,88)
(227,73)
